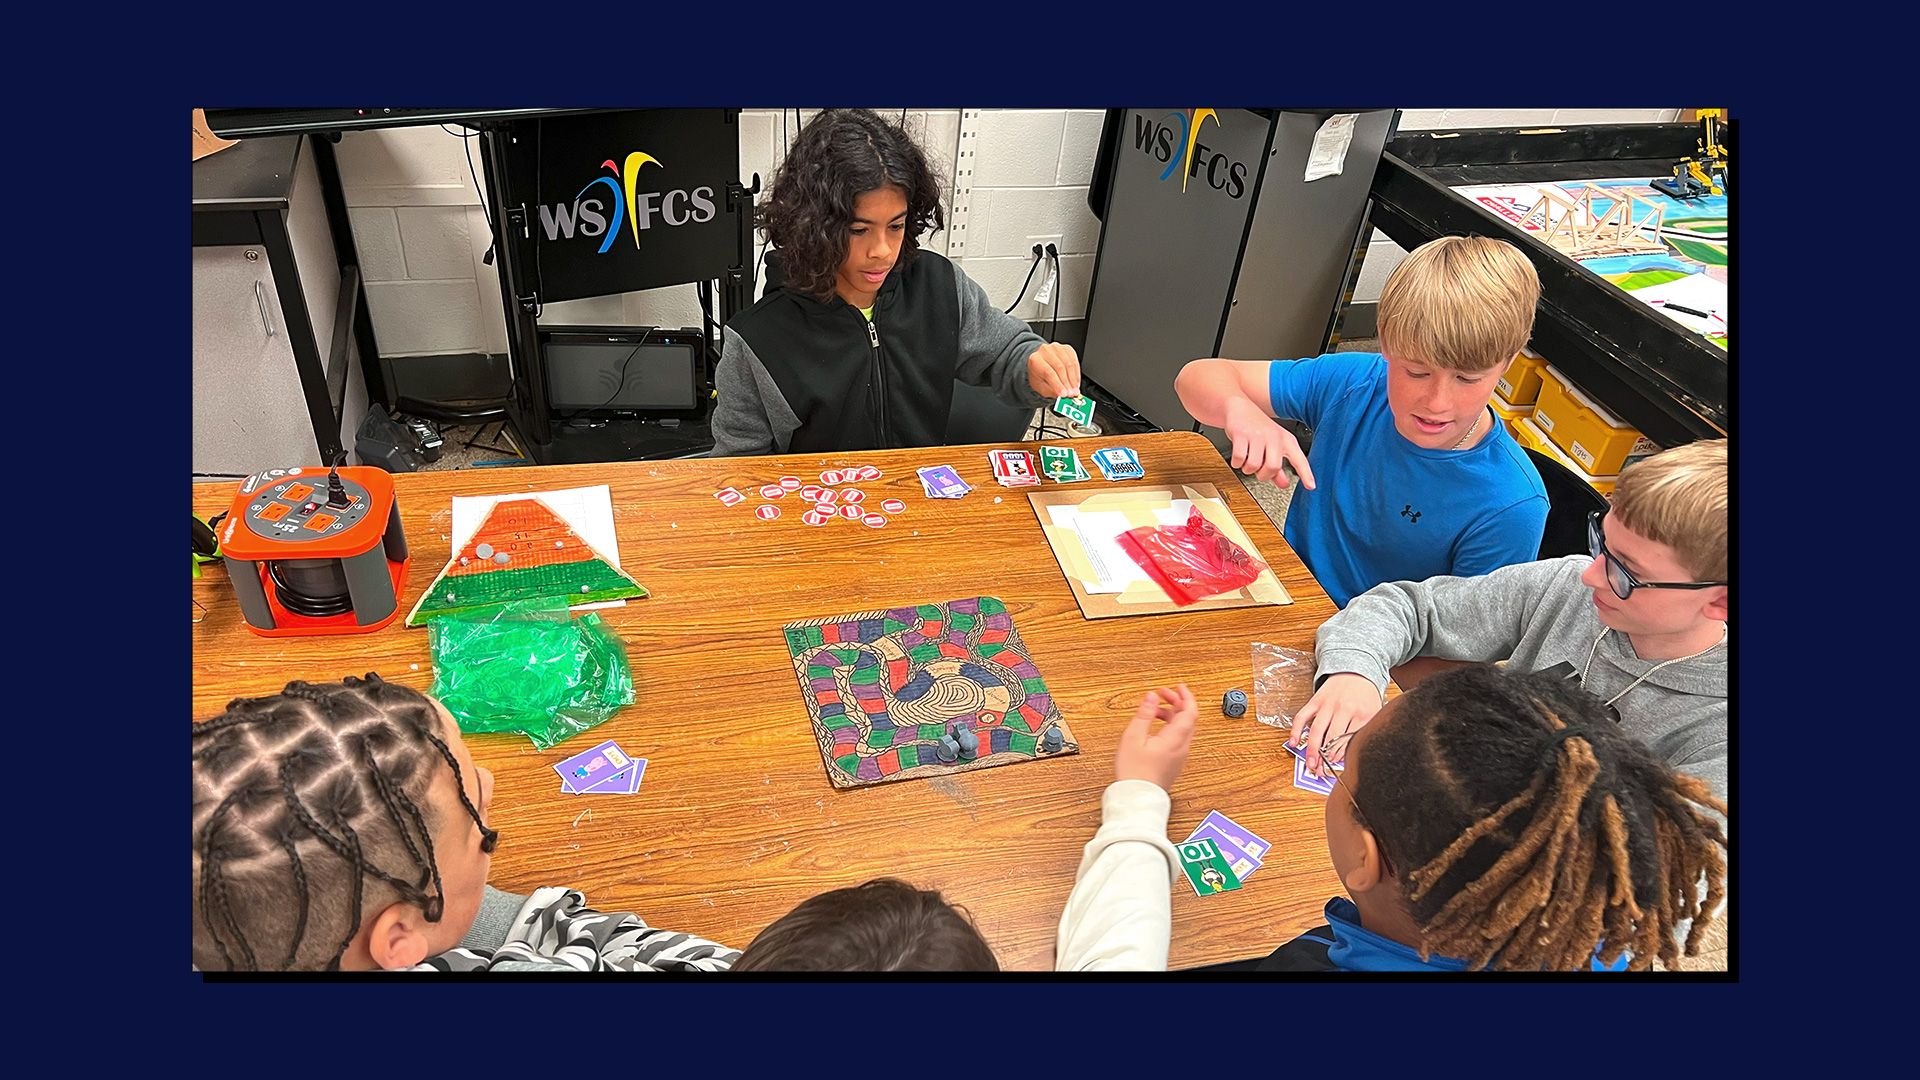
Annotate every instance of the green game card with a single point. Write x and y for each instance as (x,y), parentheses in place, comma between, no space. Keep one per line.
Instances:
(1062,465)
(1207,870)
(1077,409)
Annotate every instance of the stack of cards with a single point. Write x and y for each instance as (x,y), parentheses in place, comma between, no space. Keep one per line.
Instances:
(1077,409)
(1207,868)
(1238,847)
(1061,465)
(1119,463)
(604,770)
(941,482)
(1014,468)
(1306,781)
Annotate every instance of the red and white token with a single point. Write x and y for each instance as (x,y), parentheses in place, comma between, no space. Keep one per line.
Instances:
(817,517)
(893,506)
(853,495)
(766,512)
(772,491)
(825,494)
(811,492)
(791,483)
(870,472)
(851,512)
(831,476)
(729,497)
(875,521)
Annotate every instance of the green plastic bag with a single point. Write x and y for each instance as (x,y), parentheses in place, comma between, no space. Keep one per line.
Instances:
(529,667)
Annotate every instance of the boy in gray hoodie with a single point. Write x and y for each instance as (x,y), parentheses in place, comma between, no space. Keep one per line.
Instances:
(1641,623)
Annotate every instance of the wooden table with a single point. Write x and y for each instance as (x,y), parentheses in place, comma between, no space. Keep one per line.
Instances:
(735,822)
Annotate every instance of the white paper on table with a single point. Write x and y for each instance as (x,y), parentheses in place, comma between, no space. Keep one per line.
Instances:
(1329,153)
(1099,532)
(1697,291)
(589,510)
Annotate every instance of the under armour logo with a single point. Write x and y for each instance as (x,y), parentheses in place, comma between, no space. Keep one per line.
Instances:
(1410,513)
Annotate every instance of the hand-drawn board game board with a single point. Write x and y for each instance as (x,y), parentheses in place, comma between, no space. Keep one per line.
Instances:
(1692,272)
(883,687)
(521,551)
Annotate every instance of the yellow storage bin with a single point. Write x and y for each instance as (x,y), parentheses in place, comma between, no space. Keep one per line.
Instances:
(1528,433)
(1509,414)
(1582,427)
(1521,384)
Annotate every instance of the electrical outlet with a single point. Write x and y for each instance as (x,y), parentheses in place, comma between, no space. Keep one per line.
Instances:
(1043,241)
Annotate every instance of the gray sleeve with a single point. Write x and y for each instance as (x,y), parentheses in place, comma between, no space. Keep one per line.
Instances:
(994,346)
(752,415)
(1479,619)
(495,921)
(1713,770)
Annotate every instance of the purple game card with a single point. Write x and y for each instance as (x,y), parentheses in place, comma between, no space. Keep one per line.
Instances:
(589,767)
(1304,779)
(1242,861)
(1242,837)
(624,782)
(942,482)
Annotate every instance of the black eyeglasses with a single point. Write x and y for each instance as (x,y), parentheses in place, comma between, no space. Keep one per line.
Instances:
(1619,577)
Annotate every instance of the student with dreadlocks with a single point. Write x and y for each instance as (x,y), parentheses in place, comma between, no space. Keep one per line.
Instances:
(343,826)
(1499,820)
(860,335)
(1487,819)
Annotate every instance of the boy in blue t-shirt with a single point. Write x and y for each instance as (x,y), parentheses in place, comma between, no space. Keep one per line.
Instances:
(1420,478)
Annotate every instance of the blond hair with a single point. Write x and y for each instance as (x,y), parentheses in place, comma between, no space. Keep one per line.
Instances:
(1678,498)
(1460,302)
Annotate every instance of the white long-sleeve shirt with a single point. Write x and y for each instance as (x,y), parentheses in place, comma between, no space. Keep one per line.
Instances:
(1119,916)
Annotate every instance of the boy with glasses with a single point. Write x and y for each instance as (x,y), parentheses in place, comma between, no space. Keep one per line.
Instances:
(1641,623)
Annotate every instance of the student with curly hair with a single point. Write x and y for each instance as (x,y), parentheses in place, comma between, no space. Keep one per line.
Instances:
(860,335)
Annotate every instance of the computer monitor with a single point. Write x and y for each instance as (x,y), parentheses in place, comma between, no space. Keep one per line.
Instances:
(608,371)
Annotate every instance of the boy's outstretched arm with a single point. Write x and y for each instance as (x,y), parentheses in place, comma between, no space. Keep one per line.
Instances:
(1236,397)
(1477,620)
(1120,916)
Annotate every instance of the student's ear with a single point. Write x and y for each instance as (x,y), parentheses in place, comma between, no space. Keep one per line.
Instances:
(1720,607)
(1370,870)
(398,938)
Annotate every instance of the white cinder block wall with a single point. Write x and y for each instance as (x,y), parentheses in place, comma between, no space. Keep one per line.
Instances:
(421,233)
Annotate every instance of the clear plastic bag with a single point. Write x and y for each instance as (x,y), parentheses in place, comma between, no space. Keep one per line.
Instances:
(529,667)
(1193,561)
(1282,683)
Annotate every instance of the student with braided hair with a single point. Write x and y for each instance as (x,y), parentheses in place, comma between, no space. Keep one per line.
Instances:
(343,826)
(1490,819)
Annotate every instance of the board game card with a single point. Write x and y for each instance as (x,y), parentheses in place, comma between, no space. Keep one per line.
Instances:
(1119,463)
(942,482)
(1207,869)
(624,782)
(1077,409)
(1243,863)
(1244,838)
(1309,782)
(1014,468)
(589,767)
(1061,465)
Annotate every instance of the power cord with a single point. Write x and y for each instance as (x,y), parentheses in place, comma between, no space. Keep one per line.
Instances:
(1053,331)
(1031,267)
(620,382)
(466,142)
